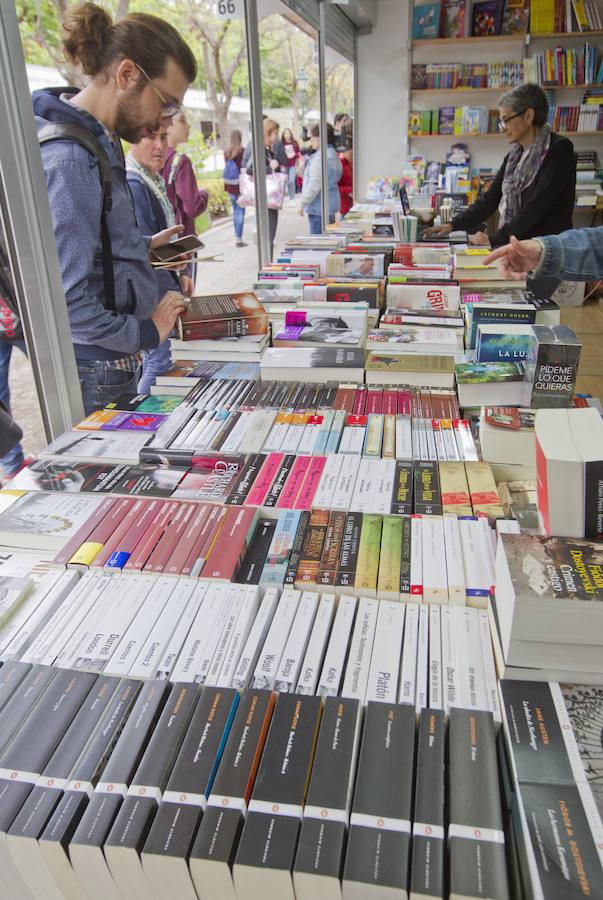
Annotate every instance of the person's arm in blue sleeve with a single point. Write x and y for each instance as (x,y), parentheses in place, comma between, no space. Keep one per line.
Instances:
(575,255)
(76,215)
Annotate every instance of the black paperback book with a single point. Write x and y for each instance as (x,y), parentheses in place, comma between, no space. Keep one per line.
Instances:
(213,852)
(324,828)
(86,845)
(401,504)
(180,811)
(11,676)
(249,473)
(280,479)
(268,843)
(348,557)
(255,558)
(23,700)
(428,830)
(428,498)
(476,840)
(405,560)
(378,849)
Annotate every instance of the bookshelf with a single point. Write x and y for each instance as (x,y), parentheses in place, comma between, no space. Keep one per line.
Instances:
(525,39)
(487,90)
(472,137)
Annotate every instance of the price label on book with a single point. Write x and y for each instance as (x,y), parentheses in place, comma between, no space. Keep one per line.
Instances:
(230,9)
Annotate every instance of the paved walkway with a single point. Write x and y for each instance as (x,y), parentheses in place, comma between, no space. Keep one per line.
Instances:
(236,273)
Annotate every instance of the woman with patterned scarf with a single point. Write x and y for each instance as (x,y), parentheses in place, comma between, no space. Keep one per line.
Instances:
(154,212)
(534,189)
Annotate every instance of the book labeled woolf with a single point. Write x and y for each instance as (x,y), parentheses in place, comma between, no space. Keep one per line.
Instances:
(214,316)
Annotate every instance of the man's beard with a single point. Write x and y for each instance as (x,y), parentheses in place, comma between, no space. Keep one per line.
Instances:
(127,123)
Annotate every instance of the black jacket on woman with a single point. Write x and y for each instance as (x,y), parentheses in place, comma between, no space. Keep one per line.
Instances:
(547,203)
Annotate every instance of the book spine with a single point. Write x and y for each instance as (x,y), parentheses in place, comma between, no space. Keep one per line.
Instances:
(405,562)
(428,501)
(476,576)
(407,688)
(346,568)
(99,536)
(255,640)
(367,566)
(264,480)
(435,581)
(455,571)
(361,648)
(450,676)
(327,569)
(390,559)
(333,665)
(172,536)
(83,534)
(194,523)
(295,647)
(317,646)
(271,653)
(428,849)
(382,683)
(402,493)
(257,552)
(307,491)
(328,480)
(435,658)
(422,692)
(278,485)
(416,559)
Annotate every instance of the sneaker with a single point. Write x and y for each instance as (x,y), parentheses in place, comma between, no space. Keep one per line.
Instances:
(241,244)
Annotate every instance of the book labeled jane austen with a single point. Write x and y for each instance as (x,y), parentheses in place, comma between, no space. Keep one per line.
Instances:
(215,316)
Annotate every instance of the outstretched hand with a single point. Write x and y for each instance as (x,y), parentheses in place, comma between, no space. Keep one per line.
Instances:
(164,237)
(516,258)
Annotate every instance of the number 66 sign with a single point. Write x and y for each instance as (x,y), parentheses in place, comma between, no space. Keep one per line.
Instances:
(230,9)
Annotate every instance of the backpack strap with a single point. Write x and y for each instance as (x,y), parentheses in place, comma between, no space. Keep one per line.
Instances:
(174,167)
(62,132)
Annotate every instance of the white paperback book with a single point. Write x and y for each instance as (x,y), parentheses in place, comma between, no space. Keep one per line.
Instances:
(361,649)
(48,635)
(260,424)
(46,521)
(407,688)
(190,656)
(384,671)
(479,687)
(365,487)
(323,497)
(80,624)
(297,642)
(435,658)
(382,498)
(173,643)
(476,575)
(105,446)
(455,571)
(180,608)
(404,448)
(48,594)
(334,661)
(317,646)
(215,634)
(127,651)
(422,692)
(255,640)
(450,684)
(271,653)
(489,667)
(249,609)
(346,482)
(435,581)
(223,645)
(416,559)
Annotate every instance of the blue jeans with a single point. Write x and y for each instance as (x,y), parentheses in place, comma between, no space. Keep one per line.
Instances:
(291,182)
(315,222)
(101,382)
(14,459)
(238,216)
(154,363)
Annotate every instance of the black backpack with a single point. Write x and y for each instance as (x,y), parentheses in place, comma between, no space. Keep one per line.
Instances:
(10,323)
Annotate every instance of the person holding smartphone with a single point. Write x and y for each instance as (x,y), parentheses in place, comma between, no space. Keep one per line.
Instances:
(154,213)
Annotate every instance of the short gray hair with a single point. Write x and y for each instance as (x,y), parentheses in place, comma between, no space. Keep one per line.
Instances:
(527,96)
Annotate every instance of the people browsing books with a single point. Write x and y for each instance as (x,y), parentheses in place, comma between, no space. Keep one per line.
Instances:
(575,255)
(233,156)
(139,71)
(272,165)
(288,153)
(311,198)
(187,198)
(534,189)
(154,213)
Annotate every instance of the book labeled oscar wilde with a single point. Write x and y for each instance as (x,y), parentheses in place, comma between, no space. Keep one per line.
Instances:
(552,367)
(214,316)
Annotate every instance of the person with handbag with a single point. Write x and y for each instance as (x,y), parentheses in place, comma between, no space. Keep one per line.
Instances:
(233,156)
(288,152)
(12,458)
(275,187)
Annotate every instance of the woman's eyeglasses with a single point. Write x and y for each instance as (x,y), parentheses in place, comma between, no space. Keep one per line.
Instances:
(169,108)
(502,124)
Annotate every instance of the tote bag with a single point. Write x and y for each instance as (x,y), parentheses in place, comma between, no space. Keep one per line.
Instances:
(276,186)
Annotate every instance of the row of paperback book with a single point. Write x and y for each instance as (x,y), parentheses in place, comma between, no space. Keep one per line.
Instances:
(453,120)
(484,18)
(565,66)
(116,787)
(586,117)
(442,76)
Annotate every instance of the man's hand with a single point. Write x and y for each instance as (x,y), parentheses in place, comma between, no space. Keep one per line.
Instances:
(439,229)
(516,258)
(301,211)
(479,239)
(187,285)
(274,164)
(163,237)
(168,309)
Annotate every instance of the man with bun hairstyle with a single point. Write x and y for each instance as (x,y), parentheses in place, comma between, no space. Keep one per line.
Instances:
(139,70)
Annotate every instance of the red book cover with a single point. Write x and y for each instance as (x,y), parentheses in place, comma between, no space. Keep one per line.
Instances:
(227,551)
(294,482)
(438,407)
(128,518)
(103,531)
(426,407)
(263,482)
(183,549)
(374,400)
(403,402)
(542,488)
(138,521)
(207,527)
(359,401)
(168,541)
(306,493)
(214,535)
(149,540)
(390,402)
(87,529)
(344,398)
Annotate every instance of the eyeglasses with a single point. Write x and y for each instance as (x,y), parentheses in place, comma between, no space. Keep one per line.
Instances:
(169,108)
(502,125)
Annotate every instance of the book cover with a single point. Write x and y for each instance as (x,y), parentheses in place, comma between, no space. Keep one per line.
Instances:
(390,560)
(428,499)
(453,20)
(552,367)
(111,446)
(150,481)
(311,552)
(428,850)
(222,316)
(367,565)
(45,520)
(426,20)
(397,362)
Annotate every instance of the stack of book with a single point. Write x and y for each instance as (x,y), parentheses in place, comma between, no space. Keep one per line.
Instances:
(222,328)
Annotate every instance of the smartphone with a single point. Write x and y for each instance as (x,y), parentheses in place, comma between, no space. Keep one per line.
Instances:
(187,244)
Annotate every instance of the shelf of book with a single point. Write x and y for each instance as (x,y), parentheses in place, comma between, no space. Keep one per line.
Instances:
(500,90)
(553,36)
(506,38)
(454,137)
